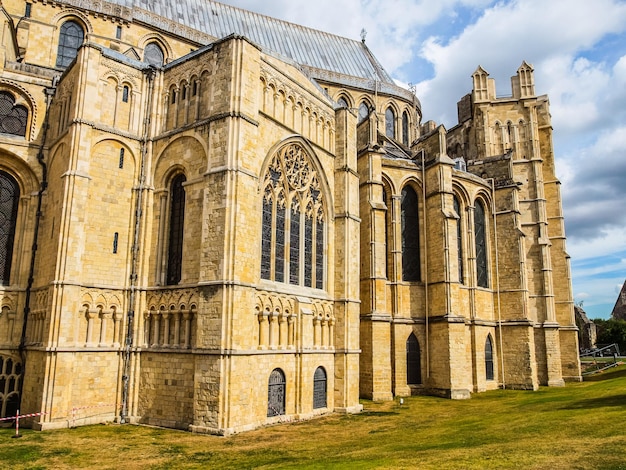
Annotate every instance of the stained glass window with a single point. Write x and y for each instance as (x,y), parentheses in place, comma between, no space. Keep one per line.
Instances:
(266,247)
(459,238)
(410,236)
(489,358)
(13,118)
(319,253)
(71,37)
(308,250)
(481,245)
(390,123)
(177,218)
(296,219)
(405,128)
(153,55)
(294,245)
(413,364)
(276,393)
(319,388)
(9,198)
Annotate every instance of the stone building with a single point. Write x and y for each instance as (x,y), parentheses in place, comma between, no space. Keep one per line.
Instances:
(214,220)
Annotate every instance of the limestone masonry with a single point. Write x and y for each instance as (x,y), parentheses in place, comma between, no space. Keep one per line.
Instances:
(213,220)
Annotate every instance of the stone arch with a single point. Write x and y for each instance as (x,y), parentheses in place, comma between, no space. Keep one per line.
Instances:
(161,41)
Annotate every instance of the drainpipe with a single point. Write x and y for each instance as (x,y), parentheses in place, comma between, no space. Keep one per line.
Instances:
(128,343)
(50,91)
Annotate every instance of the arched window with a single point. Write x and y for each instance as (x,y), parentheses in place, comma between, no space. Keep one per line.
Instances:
(10,376)
(489,358)
(177,219)
(13,118)
(459,238)
(71,38)
(405,128)
(364,111)
(481,245)
(276,393)
(319,388)
(342,102)
(293,230)
(410,235)
(413,361)
(9,198)
(125,91)
(153,54)
(390,123)
(388,231)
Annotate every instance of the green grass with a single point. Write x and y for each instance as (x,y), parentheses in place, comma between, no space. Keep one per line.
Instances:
(580,426)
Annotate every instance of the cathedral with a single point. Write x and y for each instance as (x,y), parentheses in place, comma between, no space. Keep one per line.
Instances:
(214,220)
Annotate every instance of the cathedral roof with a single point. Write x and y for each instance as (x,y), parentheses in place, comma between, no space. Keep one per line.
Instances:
(305,46)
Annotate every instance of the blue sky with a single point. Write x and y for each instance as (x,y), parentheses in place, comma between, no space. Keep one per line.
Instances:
(578,51)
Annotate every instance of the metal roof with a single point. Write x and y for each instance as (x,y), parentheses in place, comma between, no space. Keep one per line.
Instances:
(306,46)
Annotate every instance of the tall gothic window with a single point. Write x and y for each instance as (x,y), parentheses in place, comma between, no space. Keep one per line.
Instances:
(319,388)
(363,111)
(293,229)
(390,123)
(10,376)
(153,55)
(489,358)
(481,245)
(9,198)
(459,238)
(405,128)
(410,235)
(71,38)
(388,248)
(13,118)
(177,219)
(413,364)
(276,393)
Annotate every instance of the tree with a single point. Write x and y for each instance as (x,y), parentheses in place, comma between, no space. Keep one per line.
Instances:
(611,331)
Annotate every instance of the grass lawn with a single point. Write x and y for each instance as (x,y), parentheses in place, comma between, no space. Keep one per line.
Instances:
(580,426)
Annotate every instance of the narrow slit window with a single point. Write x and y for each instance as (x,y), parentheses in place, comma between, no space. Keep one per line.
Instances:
(115,239)
(121,161)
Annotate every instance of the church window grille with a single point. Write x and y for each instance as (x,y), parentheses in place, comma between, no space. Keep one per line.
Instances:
(410,235)
(9,198)
(176,232)
(10,377)
(71,37)
(125,91)
(293,228)
(153,55)
(390,123)
(459,239)
(13,118)
(364,111)
(319,388)
(121,161)
(276,393)
(489,358)
(405,128)
(481,245)
(413,361)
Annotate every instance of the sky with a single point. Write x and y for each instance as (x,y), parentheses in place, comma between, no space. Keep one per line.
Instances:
(578,51)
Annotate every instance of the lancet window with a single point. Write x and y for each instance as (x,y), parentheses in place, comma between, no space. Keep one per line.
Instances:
(410,235)
(176,230)
(459,238)
(489,358)
(413,361)
(481,245)
(390,123)
(9,198)
(71,37)
(293,220)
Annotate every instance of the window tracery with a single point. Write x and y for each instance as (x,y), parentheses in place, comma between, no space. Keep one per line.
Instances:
(71,37)
(293,220)
(13,117)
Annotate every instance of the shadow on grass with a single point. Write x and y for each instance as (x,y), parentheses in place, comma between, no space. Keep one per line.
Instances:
(607,375)
(614,400)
